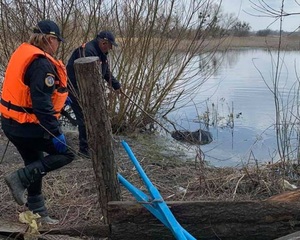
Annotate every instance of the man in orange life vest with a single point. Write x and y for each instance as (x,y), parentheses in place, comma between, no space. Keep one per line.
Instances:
(100,47)
(34,92)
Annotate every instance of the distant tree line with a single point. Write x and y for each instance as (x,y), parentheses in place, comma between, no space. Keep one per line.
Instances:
(268,32)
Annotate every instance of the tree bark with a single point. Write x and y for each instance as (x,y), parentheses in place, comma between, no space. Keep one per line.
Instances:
(17,229)
(99,132)
(260,220)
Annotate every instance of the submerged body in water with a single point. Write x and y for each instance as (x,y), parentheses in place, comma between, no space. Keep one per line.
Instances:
(199,137)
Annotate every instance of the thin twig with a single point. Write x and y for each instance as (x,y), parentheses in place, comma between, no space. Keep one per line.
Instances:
(236,187)
(3,155)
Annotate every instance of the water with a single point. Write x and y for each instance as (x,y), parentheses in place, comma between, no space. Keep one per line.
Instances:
(239,86)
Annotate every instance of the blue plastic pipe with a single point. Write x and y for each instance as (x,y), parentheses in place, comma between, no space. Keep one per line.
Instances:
(156,205)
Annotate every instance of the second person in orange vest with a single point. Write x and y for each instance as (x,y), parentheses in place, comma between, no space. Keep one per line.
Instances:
(33,95)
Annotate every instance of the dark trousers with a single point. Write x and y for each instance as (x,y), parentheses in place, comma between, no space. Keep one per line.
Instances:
(83,143)
(32,150)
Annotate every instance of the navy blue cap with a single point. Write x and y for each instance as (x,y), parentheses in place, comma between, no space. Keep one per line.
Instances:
(106,35)
(48,27)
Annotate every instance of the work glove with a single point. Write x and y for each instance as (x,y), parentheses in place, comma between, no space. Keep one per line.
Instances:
(68,101)
(60,143)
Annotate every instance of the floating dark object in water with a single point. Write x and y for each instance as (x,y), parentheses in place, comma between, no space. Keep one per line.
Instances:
(200,137)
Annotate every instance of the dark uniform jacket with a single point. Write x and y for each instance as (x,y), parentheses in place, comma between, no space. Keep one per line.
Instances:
(91,49)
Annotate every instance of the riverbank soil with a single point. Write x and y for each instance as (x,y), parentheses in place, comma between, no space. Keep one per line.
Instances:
(71,194)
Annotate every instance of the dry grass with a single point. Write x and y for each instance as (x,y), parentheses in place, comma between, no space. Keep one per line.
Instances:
(289,43)
(272,42)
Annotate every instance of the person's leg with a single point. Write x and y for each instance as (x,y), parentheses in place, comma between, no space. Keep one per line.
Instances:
(35,198)
(83,144)
(32,160)
(31,150)
(29,156)
(51,162)
(36,166)
(36,204)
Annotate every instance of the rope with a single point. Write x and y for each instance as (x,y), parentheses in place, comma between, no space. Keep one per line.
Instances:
(147,114)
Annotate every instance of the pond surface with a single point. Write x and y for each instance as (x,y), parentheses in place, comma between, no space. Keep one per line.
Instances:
(239,86)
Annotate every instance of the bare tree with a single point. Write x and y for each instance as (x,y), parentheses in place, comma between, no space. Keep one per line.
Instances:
(263,9)
(286,108)
(159,41)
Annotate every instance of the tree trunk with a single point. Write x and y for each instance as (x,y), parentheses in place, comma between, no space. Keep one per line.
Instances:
(260,220)
(97,122)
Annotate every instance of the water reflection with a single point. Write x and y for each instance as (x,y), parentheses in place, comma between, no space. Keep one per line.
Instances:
(238,90)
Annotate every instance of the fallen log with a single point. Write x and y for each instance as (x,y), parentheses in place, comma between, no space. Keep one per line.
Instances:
(11,227)
(98,231)
(6,238)
(275,218)
(208,220)
(292,236)
(15,229)
(290,196)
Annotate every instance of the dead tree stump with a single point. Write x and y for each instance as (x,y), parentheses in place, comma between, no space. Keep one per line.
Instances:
(93,103)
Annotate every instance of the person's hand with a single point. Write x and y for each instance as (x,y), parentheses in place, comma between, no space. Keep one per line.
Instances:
(60,143)
(68,101)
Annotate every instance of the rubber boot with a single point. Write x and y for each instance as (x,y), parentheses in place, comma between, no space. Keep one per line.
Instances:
(16,187)
(36,204)
(19,180)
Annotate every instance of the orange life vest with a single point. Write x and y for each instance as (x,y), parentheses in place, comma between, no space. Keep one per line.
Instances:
(15,100)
